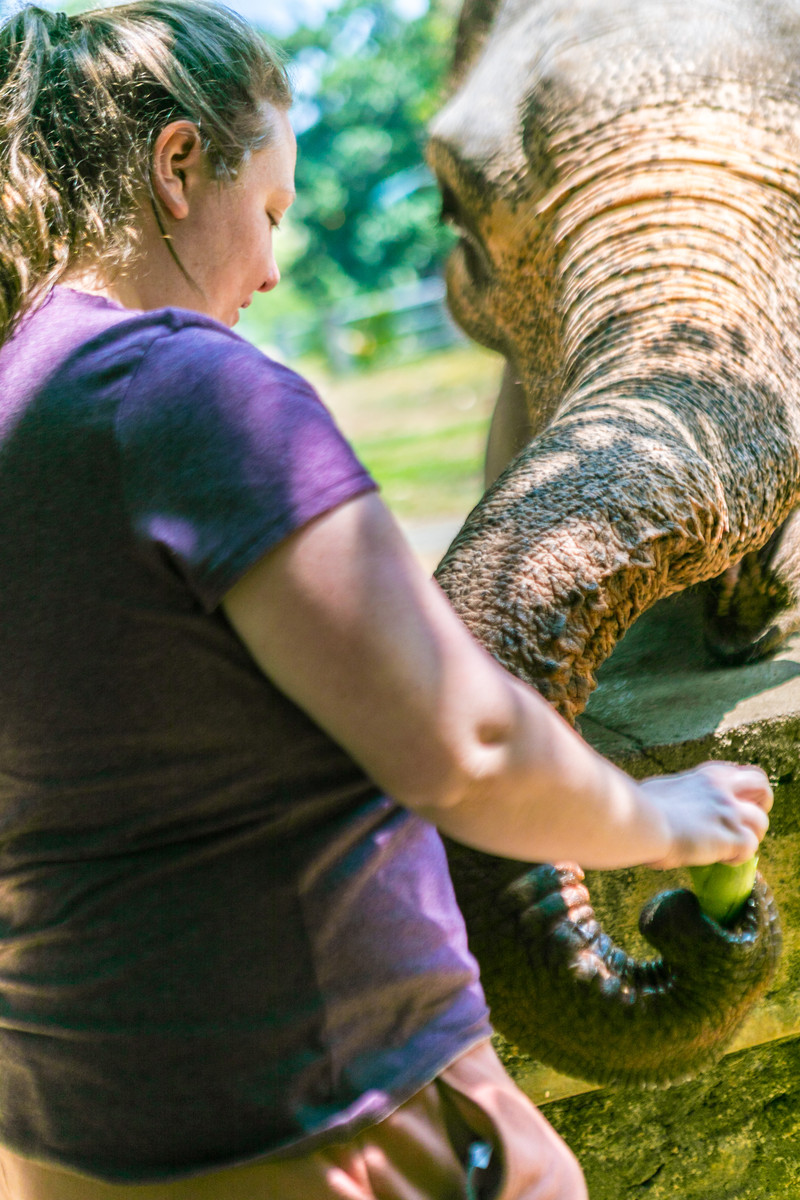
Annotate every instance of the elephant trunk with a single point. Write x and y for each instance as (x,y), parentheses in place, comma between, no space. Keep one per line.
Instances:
(622,501)
(626,1022)
(612,508)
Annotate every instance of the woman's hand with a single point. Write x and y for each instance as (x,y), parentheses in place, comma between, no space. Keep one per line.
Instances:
(714,813)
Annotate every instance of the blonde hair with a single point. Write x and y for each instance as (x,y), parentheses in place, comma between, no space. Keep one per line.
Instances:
(82,100)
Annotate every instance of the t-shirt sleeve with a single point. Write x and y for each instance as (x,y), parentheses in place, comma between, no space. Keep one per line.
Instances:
(225,452)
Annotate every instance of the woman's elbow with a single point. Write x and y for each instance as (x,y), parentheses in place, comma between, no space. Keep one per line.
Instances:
(465,769)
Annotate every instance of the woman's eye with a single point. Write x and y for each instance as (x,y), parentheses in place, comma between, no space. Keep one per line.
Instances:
(273,221)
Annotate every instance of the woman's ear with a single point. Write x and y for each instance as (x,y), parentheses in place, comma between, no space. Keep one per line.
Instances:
(177,164)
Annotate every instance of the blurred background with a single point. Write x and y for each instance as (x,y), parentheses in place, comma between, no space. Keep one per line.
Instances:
(361,308)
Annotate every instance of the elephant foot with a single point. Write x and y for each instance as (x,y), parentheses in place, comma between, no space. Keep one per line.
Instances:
(609,1019)
(754,606)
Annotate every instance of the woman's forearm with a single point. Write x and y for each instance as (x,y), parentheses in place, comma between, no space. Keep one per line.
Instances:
(536,791)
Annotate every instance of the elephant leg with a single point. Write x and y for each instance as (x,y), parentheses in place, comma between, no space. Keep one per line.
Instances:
(510,429)
(754,605)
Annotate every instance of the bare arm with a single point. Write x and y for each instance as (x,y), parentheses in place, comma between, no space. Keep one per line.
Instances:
(344,620)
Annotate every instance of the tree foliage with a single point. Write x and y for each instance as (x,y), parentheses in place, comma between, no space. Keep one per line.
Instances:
(368,82)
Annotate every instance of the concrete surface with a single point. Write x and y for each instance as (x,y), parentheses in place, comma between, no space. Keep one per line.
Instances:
(430,539)
(661,687)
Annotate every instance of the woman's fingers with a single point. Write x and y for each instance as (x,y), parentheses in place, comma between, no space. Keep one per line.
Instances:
(716,812)
(750,790)
(749,849)
(752,819)
(746,782)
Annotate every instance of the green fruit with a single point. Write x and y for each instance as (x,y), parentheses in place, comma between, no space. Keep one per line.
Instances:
(722,890)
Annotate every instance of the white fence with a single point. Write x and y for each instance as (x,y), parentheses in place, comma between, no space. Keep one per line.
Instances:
(398,325)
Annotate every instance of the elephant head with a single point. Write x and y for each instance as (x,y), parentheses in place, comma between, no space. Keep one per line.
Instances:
(623,176)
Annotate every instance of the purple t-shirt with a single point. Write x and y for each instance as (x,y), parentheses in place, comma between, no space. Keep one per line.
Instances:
(218,939)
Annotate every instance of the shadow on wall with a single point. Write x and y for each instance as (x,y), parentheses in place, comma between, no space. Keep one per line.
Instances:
(661,686)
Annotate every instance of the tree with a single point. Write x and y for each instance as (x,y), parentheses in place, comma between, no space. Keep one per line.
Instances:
(368,83)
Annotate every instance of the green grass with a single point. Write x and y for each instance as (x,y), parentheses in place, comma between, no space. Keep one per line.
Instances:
(431,475)
(420,428)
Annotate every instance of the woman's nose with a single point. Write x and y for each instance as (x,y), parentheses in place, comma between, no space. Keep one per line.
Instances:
(272,278)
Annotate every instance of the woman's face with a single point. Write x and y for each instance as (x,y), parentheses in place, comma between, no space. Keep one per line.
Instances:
(225,240)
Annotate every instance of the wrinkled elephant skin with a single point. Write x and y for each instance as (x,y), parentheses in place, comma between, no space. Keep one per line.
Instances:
(624,178)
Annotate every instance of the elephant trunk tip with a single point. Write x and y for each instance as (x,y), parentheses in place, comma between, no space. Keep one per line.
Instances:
(603,1016)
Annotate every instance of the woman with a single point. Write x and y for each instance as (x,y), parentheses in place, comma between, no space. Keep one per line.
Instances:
(231,966)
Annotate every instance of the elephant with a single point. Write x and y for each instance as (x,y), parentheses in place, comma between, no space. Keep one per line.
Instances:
(624,178)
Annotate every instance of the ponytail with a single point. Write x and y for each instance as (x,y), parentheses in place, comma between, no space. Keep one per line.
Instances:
(82,100)
(34,234)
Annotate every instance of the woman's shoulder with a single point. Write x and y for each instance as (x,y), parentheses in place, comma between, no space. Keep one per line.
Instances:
(172,357)
(175,331)
(191,359)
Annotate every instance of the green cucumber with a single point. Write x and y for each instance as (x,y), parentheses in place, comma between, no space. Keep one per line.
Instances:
(722,890)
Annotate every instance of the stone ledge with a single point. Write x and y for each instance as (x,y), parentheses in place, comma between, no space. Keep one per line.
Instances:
(662,704)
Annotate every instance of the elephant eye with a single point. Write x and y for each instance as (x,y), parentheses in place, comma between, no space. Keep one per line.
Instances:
(475,256)
(451,210)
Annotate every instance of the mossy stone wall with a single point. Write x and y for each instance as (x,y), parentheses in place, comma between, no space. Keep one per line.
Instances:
(733,1134)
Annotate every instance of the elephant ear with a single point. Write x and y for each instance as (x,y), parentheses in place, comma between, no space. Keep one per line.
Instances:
(473,25)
